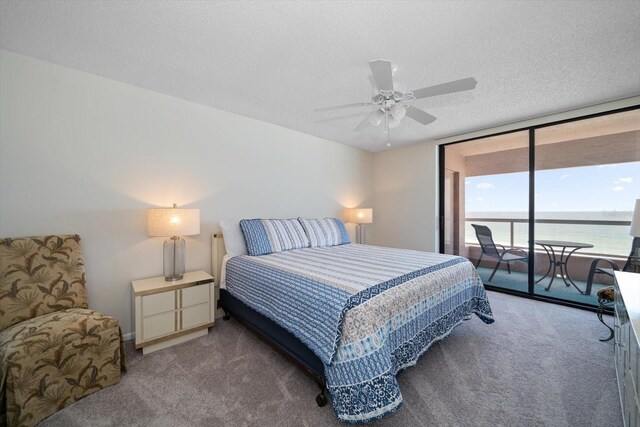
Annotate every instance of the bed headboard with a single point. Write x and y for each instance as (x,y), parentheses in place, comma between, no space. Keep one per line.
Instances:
(217,253)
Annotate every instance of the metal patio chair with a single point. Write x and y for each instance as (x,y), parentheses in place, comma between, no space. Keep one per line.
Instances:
(605,295)
(490,249)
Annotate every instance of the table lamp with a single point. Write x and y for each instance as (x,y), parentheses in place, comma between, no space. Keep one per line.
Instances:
(173,223)
(360,217)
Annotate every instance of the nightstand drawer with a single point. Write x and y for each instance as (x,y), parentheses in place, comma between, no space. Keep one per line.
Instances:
(195,315)
(158,325)
(158,303)
(195,295)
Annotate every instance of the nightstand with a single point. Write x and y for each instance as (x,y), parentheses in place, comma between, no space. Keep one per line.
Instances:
(168,313)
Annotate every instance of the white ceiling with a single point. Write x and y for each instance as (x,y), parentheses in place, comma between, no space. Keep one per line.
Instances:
(278,61)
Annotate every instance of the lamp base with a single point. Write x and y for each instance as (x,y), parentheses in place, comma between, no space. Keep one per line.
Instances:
(174,259)
(361,233)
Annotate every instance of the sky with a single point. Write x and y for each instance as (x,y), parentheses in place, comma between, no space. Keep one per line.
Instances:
(613,187)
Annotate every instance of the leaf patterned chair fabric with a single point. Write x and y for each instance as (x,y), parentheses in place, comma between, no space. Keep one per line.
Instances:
(53,349)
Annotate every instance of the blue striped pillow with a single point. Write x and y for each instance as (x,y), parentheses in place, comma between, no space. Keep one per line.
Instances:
(325,232)
(266,236)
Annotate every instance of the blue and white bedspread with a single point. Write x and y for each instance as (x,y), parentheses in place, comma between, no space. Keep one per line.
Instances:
(367,312)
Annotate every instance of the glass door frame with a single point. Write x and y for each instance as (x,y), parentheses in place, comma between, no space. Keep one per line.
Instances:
(531,217)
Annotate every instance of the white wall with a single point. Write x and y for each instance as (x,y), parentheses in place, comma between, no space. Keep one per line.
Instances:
(405,206)
(84,154)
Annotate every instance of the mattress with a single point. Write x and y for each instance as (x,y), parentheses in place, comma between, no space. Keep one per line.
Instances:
(367,312)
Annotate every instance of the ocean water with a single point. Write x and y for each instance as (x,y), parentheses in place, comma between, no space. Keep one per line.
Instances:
(606,239)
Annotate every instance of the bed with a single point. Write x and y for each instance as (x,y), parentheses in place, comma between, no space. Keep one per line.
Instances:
(352,315)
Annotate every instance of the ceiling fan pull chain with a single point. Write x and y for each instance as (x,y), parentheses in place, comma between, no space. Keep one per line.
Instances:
(386,113)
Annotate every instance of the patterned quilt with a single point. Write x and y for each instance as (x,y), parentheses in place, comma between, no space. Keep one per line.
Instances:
(367,312)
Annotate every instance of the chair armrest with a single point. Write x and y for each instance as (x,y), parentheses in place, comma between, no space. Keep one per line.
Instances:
(612,263)
(517,251)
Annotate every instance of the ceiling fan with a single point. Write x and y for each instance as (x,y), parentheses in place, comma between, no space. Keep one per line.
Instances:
(391,105)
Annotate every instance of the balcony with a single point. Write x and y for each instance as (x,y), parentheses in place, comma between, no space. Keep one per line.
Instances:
(581,177)
(610,239)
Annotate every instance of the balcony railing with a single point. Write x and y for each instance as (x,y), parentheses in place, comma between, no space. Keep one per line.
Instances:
(610,238)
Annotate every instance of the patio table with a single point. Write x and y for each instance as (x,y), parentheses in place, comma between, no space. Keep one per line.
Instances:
(560,260)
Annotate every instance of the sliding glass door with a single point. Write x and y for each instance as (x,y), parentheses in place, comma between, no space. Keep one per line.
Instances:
(534,208)
(587,178)
(486,207)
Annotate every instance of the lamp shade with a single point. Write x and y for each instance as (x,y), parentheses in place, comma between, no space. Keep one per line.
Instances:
(635,220)
(360,216)
(165,222)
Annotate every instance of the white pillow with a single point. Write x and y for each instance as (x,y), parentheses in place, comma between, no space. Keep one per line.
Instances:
(233,238)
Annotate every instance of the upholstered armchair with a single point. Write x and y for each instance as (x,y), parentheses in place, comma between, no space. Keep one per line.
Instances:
(54,350)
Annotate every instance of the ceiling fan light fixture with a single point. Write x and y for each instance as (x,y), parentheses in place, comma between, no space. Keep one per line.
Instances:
(391,102)
(398,111)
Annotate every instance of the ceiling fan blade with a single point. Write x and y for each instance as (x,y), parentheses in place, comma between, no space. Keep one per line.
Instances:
(365,122)
(450,87)
(419,115)
(340,107)
(382,74)
(373,84)
(346,116)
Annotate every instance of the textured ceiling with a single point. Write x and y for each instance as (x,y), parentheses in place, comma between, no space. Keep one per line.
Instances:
(278,61)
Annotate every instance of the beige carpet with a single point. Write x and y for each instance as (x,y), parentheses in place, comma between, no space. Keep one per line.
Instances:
(537,365)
